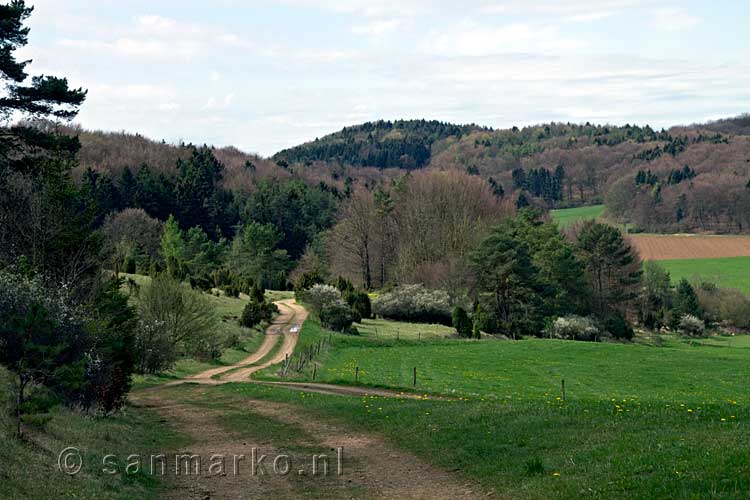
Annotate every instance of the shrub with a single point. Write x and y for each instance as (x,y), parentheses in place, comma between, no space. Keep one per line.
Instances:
(686,300)
(268,309)
(414,303)
(155,352)
(318,296)
(258,294)
(252,314)
(307,281)
(724,305)
(462,323)
(574,328)
(188,318)
(337,316)
(690,325)
(326,301)
(360,304)
(618,326)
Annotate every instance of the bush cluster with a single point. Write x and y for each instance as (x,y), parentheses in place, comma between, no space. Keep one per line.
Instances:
(257,311)
(414,303)
(727,306)
(574,328)
(690,325)
(327,302)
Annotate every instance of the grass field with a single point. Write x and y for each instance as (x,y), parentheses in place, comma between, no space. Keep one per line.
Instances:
(567,216)
(728,272)
(529,448)
(638,421)
(383,329)
(534,368)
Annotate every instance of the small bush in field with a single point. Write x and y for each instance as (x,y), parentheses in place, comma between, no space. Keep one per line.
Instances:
(268,309)
(337,316)
(188,318)
(360,304)
(690,325)
(462,323)
(318,296)
(155,352)
(327,302)
(574,328)
(617,326)
(414,303)
(255,312)
(252,314)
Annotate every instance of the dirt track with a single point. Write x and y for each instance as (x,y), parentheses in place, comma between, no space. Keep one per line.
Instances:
(286,325)
(689,246)
(372,467)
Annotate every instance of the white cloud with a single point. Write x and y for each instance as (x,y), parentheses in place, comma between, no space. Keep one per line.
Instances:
(376,28)
(472,39)
(673,19)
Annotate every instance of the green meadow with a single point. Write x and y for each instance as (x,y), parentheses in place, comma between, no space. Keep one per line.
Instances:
(663,417)
(727,272)
(567,216)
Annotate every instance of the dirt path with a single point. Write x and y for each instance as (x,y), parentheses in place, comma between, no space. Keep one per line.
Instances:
(228,426)
(287,325)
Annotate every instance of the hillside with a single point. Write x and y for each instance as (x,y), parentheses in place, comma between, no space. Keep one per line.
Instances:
(112,152)
(403,144)
(693,178)
(686,178)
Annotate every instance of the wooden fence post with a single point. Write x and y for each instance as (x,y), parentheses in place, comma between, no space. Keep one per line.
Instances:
(415,377)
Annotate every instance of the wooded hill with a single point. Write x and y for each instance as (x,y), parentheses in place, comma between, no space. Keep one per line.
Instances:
(697,175)
(686,178)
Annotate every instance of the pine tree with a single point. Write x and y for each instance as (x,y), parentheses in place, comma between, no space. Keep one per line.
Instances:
(612,268)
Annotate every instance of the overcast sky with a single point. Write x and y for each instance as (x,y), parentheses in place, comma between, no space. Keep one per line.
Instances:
(264,75)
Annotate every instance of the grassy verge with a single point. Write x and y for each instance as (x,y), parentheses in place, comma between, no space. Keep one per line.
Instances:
(28,469)
(375,334)
(276,295)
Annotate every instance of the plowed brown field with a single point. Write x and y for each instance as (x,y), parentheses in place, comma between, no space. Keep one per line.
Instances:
(689,246)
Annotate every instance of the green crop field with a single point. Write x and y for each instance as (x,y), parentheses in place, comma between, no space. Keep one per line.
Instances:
(728,272)
(567,216)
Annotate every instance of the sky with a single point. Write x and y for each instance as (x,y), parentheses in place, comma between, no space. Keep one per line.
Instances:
(266,75)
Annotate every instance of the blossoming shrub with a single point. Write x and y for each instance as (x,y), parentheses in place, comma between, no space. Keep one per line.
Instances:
(690,325)
(327,302)
(414,303)
(574,328)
